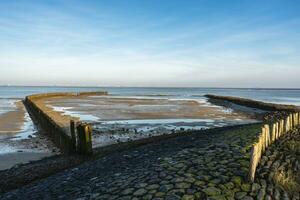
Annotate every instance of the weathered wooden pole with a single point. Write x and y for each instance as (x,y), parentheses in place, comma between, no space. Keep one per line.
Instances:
(267,128)
(263,138)
(253,162)
(274,127)
(282,127)
(286,122)
(73,135)
(277,130)
(84,132)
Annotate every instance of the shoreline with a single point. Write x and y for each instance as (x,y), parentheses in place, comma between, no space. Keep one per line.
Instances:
(12,121)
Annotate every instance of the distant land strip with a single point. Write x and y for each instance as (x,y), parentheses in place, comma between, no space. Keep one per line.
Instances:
(254,104)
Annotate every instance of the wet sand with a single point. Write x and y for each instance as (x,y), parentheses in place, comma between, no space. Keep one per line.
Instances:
(11,159)
(19,140)
(117,119)
(107,108)
(12,121)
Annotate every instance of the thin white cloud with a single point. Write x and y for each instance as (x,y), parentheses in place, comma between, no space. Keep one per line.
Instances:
(59,47)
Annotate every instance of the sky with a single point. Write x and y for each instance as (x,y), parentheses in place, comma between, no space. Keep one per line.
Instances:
(150,43)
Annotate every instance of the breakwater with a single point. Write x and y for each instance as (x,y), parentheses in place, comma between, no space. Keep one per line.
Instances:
(254,104)
(68,134)
(270,133)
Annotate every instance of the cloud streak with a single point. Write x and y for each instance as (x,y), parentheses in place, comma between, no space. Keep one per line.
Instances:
(94,44)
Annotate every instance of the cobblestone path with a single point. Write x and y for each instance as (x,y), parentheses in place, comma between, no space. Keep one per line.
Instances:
(198,166)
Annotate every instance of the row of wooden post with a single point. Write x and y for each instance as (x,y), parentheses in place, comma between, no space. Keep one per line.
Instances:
(81,134)
(270,133)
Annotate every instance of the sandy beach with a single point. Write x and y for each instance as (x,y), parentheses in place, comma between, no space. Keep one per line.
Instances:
(20,142)
(12,121)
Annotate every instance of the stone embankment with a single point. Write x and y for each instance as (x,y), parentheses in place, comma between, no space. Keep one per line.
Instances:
(254,104)
(56,125)
(210,164)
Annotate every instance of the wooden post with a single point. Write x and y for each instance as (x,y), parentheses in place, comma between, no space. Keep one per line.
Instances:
(291,121)
(295,120)
(253,162)
(286,123)
(260,146)
(267,128)
(282,128)
(84,132)
(73,135)
(274,127)
(277,130)
(263,145)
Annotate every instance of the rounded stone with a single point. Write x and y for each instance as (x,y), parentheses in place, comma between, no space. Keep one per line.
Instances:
(199,183)
(247,198)
(246,187)
(140,192)
(165,188)
(237,180)
(182,185)
(152,187)
(128,191)
(219,197)
(255,187)
(188,197)
(212,191)
(240,195)
(160,194)
(172,197)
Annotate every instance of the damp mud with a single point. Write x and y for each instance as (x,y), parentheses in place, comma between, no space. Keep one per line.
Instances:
(117,119)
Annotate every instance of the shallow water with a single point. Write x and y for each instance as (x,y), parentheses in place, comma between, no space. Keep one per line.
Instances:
(28,129)
(7,105)
(112,132)
(290,96)
(157,121)
(67,111)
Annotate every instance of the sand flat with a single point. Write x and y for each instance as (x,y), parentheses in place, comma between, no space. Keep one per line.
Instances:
(119,108)
(12,121)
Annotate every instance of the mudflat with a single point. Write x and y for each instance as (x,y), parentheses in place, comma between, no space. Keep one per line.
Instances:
(121,108)
(12,122)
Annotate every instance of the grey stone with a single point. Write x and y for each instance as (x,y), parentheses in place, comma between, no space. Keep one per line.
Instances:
(140,192)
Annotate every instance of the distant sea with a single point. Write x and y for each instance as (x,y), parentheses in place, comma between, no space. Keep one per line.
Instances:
(284,96)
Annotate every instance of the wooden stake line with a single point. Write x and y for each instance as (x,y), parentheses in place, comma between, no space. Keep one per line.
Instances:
(266,138)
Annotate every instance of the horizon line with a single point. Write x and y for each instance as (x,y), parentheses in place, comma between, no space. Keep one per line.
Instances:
(174,87)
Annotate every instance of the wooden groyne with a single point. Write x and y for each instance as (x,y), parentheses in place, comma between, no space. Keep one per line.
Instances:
(71,137)
(270,133)
(254,104)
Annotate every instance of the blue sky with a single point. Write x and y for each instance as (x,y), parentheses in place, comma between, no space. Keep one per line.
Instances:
(172,43)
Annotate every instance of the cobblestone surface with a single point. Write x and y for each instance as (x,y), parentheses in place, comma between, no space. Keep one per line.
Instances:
(199,166)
